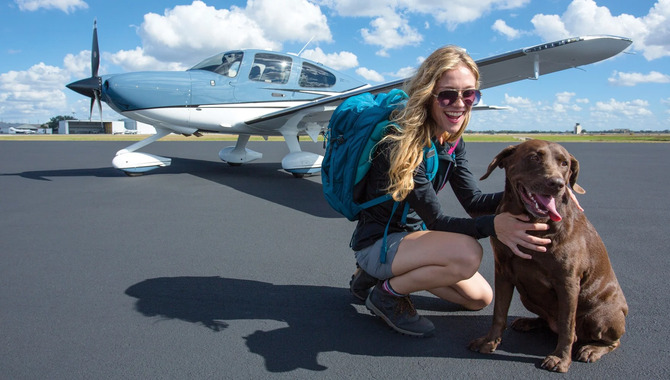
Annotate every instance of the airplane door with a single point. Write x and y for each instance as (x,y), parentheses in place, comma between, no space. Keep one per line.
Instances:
(209,96)
(267,80)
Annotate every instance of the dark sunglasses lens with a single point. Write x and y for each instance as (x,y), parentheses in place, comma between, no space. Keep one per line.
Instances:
(447,97)
(471,97)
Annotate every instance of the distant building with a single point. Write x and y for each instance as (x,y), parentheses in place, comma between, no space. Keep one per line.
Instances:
(127,126)
(138,127)
(578,129)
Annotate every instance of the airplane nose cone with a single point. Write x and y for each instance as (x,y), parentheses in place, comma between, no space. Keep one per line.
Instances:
(86,86)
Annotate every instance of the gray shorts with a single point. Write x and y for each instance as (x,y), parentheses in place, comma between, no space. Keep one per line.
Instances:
(369,258)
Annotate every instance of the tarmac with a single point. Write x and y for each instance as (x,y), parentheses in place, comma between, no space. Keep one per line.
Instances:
(205,271)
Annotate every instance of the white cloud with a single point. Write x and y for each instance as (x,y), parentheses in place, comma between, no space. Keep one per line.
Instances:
(633,79)
(338,61)
(630,109)
(31,94)
(187,33)
(455,12)
(66,6)
(564,97)
(405,72)
(650,33)
(390,32)
(514,101)
(370,75)
(558,107)
(198,30)
(138,60)
(550,27)
(289,20)
(79,66)
(501,27)
(390,28)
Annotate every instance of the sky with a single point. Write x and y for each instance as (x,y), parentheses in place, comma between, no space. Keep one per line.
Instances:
(45,44)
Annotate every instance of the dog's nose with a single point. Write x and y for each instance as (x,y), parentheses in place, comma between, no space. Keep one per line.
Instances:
(556,183)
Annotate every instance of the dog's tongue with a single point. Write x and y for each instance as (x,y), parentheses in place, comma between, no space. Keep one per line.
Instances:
(550,204)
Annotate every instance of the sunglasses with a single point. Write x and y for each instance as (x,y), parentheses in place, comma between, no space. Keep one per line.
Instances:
(470,97)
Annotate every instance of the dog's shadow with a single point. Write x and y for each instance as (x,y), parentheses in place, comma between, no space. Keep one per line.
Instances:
(320,319)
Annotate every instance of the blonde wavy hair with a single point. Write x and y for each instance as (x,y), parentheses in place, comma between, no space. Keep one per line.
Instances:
(416,126)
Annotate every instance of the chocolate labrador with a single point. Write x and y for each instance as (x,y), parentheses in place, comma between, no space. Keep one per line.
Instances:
(571,287)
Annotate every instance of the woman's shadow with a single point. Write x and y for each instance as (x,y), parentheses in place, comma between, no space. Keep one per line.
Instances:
(319,318)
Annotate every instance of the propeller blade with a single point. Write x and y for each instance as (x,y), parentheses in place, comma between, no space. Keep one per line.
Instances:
(90,115)
(95,51)
(97,99)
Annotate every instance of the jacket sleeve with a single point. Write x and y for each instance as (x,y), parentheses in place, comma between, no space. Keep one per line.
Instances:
(423,199)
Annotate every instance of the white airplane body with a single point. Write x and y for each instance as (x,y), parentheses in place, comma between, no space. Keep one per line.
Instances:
(264,93)
(22,131)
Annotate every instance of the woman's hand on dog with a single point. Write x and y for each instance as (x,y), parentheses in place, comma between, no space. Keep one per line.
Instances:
(512,230)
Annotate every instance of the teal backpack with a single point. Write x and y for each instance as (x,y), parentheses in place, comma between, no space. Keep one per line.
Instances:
(355,127)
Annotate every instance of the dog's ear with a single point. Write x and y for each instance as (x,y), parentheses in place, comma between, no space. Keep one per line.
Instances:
(499,160)
(574,173)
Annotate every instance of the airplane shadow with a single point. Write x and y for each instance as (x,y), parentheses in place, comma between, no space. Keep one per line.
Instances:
(44,175)
(263,180)
(320,319)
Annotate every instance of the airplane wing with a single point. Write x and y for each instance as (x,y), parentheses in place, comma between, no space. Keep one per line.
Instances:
(528,63)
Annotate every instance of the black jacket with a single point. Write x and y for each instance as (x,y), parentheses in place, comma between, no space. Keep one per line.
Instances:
(423,201)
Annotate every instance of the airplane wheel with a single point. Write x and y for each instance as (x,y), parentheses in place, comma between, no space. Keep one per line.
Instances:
(234,164)
(129,174)
(298,175)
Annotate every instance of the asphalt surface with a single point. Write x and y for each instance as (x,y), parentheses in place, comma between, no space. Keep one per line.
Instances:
(201,270)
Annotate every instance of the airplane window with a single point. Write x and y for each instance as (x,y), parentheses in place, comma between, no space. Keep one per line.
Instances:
(271,68)
(230,63)
(209,64)
(314,76)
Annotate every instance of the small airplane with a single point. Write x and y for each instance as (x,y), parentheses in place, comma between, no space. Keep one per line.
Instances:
(22,131)
(265,93)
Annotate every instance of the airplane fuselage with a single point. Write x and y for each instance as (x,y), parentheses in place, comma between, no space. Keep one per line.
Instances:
(207,98)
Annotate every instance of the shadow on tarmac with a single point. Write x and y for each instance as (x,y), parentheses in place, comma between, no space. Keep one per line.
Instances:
(262,180)
(320,319)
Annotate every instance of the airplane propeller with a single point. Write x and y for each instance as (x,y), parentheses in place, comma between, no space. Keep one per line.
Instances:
(91,87)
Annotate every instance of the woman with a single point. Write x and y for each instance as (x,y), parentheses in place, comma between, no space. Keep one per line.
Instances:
(444,258)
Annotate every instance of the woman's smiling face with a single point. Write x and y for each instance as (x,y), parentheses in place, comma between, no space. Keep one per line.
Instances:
(450,118)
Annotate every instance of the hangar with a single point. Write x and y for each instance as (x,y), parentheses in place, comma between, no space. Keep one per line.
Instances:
(127,126)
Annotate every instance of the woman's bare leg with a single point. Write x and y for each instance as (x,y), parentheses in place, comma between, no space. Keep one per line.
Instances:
(445,264)
(474,293)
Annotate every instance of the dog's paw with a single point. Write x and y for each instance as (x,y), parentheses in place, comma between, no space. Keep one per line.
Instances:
(528,324)
(590,353)
(484,345)
(555,364)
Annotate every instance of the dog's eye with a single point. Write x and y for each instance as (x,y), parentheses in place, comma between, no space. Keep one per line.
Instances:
(565,163)
(534,157)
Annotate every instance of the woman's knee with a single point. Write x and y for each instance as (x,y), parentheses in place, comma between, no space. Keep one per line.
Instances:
(469,257)
(478,291)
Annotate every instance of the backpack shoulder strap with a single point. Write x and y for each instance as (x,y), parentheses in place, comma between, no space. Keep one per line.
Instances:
(453,148)
(430,156)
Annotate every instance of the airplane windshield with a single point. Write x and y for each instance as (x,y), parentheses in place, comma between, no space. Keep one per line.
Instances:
(227,63)
(314,76)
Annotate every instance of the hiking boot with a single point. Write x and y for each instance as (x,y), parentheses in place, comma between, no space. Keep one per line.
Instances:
(399,313)
(360,283)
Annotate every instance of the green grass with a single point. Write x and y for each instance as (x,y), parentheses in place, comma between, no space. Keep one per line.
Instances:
(470,137)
